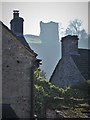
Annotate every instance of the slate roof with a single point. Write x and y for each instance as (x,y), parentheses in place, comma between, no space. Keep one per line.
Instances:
(82,62)
(21,40)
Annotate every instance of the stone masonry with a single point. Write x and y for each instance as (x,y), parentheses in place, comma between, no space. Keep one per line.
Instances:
(17,61)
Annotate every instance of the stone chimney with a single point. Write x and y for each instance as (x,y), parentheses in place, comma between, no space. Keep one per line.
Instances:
(69,45)
(16,23)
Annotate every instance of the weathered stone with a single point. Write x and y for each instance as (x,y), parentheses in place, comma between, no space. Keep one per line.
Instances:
(17,61)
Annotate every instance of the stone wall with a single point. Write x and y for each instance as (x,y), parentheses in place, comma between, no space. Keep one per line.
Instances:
(63,108)
(16,79)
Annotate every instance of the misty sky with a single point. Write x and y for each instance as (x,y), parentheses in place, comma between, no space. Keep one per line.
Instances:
(34,12)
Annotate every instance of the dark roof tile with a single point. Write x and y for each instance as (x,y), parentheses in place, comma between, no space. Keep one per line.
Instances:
(24,43)
(82,62)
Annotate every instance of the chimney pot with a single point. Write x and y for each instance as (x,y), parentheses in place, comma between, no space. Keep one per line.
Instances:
(15,13)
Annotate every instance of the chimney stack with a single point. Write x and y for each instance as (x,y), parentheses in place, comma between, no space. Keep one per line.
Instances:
(70,45)
(16,23)
(15,14)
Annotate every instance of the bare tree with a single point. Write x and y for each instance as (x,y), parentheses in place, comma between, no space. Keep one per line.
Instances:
(74,27)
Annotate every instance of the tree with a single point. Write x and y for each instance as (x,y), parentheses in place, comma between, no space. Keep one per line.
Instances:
(83,39)
(74,27)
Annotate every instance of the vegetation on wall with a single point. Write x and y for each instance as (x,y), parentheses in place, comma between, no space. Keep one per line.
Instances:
(43,88)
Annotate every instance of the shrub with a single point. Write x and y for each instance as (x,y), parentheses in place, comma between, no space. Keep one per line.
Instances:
(43,88)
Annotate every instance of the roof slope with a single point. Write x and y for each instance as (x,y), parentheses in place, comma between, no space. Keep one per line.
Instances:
(24,42)
(18,39)
(82,62)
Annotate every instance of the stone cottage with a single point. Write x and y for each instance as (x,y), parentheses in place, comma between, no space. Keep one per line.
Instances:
(73,67)
(18,64)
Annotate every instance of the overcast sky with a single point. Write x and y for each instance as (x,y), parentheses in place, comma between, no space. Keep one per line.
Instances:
(34,12)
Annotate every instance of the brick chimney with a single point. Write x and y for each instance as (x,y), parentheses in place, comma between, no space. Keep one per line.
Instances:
(69,45)
(16,23)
